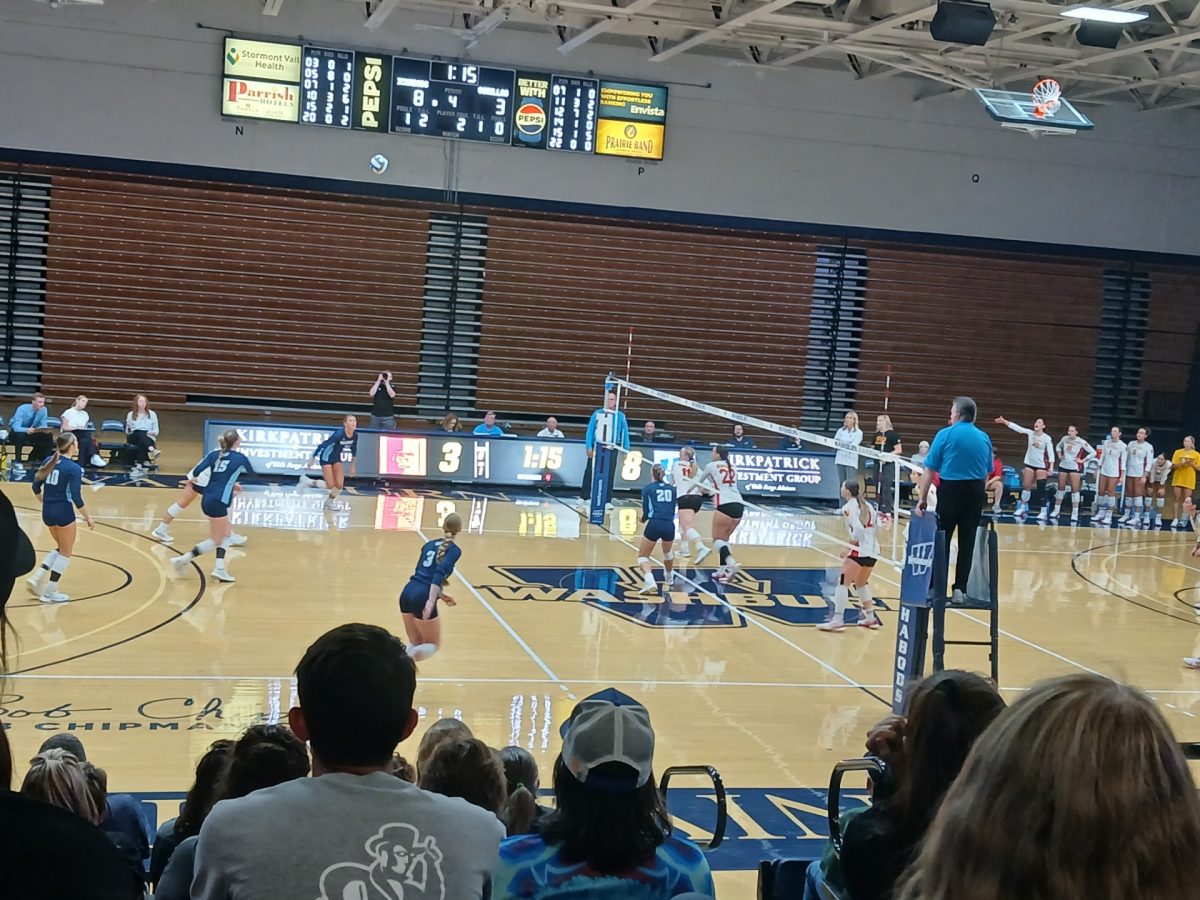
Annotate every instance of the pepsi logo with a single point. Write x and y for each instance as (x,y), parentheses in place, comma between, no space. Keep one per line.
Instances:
(531,118)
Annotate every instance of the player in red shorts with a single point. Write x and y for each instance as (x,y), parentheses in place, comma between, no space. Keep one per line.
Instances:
(995,482)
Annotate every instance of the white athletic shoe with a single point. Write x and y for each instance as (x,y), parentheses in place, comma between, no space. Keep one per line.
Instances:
(1021,510)
(1042,515)
(222,574)
(180,562)
(702,553)
(329,504)
(1057,512)
(1191,662)
(1147,520)
(1074,516)
(648,587)
(1175,523)
(154,453)
(136,472)
(53,595)
(834,623)
(958,598)
(1158,520)
(869,620)
(304,482)
(98,462)
(685,551)
(35,585)
(162,534)
(237,540)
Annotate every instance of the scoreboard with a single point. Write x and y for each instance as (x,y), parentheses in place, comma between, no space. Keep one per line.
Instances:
(514,461)
(362,90)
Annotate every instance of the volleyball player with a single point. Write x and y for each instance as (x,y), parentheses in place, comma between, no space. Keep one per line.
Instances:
(190,488)
(995,482)
(688,501)
(719,479)
(1184,464)
(58,484)
(1039,460)
(1112,470)
(419,599)
(861,520)
(1139,457)
(1072,450)
(224,467)
(658,513)
(1156,490)
(329,455)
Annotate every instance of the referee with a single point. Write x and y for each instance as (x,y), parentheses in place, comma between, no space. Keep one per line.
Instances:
(607,427)
(961,455)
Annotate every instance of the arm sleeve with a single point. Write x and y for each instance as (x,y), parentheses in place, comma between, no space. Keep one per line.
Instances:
(38,485)
(75,488)
(589,439)
(18,425)
(212,862)
(1013,426)
(325,443)
(645,503)
(933,459)
(354,446)
(153,422)
(446,568)
(622,430)
(129,423)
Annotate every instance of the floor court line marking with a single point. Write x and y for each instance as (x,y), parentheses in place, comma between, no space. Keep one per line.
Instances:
(749,618)
(541,663)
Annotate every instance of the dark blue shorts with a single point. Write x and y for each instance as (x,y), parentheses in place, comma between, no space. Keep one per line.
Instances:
(413,599)
(214,508)
(660,530)
(333,459)
(58,514)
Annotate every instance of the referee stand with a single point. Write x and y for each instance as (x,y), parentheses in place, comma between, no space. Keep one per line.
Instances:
(982,595)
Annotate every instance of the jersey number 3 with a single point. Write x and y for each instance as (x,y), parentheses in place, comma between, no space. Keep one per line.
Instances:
(427,562)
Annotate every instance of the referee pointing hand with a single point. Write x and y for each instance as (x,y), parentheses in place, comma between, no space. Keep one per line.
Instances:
(961,454)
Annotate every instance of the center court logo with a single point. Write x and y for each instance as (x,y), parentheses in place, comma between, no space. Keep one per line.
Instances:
(786,596)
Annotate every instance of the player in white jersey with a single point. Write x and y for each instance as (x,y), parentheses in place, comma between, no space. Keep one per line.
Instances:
(1139,458)
(1112,472)
(192,488)
(1072,452)
(719,479)
(1156,490)
(683,471)
(1039,460)
(861,519)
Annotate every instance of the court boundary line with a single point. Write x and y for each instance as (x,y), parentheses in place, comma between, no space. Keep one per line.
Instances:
(1115,553)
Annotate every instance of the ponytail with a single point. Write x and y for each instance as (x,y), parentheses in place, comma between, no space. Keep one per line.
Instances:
(227,440)
(62,445)
(451,526)
(519,811)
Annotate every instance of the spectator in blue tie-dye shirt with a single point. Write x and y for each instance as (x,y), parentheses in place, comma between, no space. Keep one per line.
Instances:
(610,835)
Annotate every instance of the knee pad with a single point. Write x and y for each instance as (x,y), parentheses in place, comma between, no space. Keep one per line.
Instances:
(668,556)
(643,560)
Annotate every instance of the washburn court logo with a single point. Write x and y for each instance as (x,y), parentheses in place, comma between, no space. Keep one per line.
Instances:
(786,596)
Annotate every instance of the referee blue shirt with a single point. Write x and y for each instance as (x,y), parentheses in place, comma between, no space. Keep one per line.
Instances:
(960,452)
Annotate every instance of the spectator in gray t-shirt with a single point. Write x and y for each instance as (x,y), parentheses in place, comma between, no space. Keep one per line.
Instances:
(354,829)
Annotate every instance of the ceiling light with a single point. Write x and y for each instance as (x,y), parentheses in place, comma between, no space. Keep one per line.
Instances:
(1097,14)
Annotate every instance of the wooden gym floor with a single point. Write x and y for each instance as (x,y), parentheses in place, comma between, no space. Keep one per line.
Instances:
(148,667)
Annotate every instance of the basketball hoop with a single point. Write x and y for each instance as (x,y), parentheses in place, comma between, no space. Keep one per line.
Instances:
(1047,97)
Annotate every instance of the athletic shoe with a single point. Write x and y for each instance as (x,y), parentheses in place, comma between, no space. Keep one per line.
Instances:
(869,620)
(237,540)
(1021,510)
(1042,515)
(154,453)
(329,504)
(1158,521)
(1191,662)
(1147,521)
(222,574)
(1057,512)
(162,534)
(180,562)
(648,587)
(51,595)
(1074,516)
(958,598)
(836,623)
(1175,523)
(304,482)
(702,553)
(35,585)
(685,551)
(136,472)
(98,462)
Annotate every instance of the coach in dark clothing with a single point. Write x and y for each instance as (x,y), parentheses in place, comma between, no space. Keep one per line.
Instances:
(961,455)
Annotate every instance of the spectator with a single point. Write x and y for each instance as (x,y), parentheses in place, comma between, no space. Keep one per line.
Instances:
(923,752)
(849,436)
(788,442)
(551,429)
(649,433)
(467,769)
(450,424)
(488,426)
(886,440)
(353,825)
(264,756)
(131,852)
(609,821)
(522,781)
(383,402)
(739,440)
(440,732)
(196,806)
(918,458)
(76,420)
(141,430)
(607,427)
(961,456)
(1078,790)
(119,813)
(56,777)
(403,769)
(28,428)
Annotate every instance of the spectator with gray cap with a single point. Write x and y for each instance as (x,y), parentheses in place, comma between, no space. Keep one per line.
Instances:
(610,830)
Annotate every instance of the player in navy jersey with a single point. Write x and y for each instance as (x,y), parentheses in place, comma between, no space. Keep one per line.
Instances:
(658,512)
(224,467)
(419,599)
(58,484)
(329,455)
(190,488)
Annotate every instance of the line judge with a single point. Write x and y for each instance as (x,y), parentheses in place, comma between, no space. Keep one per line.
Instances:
(961,455)
(607,426)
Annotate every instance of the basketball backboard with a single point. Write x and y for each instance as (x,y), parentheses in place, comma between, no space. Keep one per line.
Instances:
(1014,109)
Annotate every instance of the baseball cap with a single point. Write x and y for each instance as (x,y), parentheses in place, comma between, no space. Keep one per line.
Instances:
(609,727)
(65,741)
(16,552)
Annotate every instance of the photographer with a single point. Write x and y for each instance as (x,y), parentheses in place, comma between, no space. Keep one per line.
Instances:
(383,402)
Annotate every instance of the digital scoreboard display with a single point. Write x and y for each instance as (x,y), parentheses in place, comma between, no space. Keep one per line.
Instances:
(461,101)
(365,90)
(328,87)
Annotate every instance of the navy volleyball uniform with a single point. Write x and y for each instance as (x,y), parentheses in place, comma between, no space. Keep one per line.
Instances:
(429,572)
(329,451)
(658,509)
(223,468)
(63,487)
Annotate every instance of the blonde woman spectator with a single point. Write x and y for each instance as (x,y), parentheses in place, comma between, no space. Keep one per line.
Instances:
(141,425)
(847,460)
(75,419)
